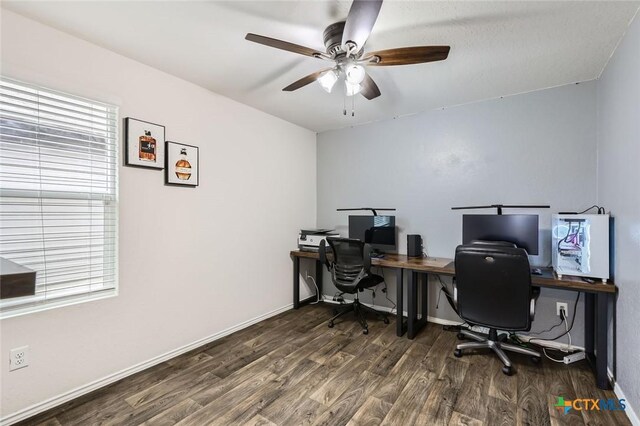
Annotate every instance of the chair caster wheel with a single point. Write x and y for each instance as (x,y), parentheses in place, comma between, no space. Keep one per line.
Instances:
(457,353)
(331,324)
(507,370)
(461,336)
(386,320)
(535,359)
(365,331)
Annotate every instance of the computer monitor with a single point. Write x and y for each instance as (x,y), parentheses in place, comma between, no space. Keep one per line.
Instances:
(379,231)
(520,229)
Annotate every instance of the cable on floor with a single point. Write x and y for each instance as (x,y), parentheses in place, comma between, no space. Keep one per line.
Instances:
(317,290)
(544,350)
(394,309)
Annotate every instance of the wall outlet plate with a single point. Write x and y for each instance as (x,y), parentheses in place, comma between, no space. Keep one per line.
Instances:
(19,358)
(560,306)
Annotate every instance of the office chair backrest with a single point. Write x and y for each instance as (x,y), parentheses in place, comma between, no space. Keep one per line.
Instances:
(493,284)
(351,261)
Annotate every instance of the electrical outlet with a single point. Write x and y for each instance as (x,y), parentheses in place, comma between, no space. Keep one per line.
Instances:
(19,358)
(560,307)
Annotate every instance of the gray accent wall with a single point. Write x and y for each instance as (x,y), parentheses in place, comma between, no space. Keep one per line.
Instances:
(618,109)
(534,148)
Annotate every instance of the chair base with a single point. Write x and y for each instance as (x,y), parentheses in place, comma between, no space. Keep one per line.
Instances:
(494,343)
(359,310)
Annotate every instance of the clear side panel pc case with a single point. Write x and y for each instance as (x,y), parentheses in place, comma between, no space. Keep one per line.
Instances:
(581,245)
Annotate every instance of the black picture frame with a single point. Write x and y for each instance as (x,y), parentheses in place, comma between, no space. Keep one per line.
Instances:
(136,128)
(192,155)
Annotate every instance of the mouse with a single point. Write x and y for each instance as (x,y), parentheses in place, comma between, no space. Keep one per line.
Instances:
(536,271)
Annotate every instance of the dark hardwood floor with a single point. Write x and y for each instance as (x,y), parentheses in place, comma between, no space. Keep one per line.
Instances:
(292,369)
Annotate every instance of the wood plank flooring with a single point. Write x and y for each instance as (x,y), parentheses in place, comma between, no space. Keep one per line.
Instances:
(292,369)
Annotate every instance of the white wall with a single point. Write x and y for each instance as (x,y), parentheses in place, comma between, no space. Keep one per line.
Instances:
(618,100)
(535,148)
(189,258)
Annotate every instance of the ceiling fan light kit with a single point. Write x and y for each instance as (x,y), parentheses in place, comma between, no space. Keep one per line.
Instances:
(352,88)
(344,42)
(328,80)
(354,73)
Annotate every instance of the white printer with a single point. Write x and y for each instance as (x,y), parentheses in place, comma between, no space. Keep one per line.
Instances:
(309,239)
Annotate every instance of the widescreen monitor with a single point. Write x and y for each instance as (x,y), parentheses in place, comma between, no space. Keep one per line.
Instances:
(520,229)
(379,231)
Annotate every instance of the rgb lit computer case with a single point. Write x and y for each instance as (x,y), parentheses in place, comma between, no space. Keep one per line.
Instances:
(581,245)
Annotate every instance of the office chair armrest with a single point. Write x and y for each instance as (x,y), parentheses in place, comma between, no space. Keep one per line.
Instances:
(455,294)
(534,298)
(322,252)
(367,257)
(532,308)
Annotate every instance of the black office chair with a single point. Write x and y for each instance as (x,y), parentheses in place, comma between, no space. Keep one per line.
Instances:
(350,268)
(493,289)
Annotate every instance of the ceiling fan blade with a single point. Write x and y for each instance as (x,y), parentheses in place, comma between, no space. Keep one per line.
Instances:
(305,80)
(284,45)
(362,16)
(409,55)
(369,89)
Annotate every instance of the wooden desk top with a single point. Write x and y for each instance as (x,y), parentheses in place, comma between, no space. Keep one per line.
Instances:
(445,266)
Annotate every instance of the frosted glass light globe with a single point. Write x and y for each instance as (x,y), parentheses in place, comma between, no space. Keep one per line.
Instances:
(352,89)
(354,73)
(328,80)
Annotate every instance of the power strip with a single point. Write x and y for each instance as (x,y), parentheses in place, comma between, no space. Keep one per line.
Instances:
(570,359)
(480,329)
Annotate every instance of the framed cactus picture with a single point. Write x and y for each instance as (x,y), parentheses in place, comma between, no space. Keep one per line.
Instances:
(144,144)
(182,164)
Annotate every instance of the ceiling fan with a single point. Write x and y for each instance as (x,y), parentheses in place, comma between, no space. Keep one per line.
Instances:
(344,42)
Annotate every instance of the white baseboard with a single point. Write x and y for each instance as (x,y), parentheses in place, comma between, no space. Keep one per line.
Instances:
(329,299)
(629,411)
(82,390)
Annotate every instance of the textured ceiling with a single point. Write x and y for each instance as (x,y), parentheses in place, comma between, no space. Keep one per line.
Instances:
(497,48)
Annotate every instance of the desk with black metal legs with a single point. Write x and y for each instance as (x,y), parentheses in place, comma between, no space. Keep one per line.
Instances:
(296,278)
(599,298)
(417,292)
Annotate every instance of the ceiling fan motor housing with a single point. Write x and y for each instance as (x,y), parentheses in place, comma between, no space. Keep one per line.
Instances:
(333,38)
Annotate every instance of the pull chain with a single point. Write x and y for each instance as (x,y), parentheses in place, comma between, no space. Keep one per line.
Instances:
(353,105)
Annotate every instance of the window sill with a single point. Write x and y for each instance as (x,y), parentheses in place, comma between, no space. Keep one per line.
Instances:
(54,304)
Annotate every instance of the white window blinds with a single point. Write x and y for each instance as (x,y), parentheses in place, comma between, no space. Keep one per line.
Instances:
(58,194)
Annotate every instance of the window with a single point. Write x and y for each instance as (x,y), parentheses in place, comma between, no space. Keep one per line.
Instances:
(58,195)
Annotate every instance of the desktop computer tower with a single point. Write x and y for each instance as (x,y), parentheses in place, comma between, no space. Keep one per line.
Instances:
(581,245)
(414,246)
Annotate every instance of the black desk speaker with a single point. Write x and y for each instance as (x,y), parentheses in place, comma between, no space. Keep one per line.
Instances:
(414,246)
